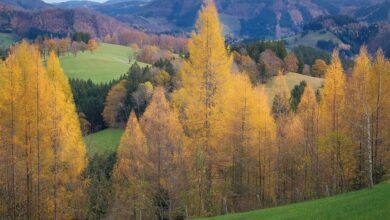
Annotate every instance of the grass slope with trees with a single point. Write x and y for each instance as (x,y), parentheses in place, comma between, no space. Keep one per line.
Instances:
(364,204)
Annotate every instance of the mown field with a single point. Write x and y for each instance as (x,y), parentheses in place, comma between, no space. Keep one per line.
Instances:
(108,62)
(367,204)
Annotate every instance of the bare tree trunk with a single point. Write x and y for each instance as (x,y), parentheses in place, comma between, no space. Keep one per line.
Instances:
(12,146)
(369,149)
(38,148)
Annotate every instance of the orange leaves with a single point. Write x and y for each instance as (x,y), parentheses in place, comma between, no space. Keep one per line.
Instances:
(114,112)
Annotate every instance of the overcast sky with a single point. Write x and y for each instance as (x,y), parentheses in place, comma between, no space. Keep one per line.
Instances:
(51,1)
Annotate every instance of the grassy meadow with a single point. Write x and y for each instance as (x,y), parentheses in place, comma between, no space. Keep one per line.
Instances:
(103,142)
(367,204)
(108,62)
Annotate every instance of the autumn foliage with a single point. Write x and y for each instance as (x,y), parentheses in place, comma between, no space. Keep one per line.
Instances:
(42,152)
(214,143)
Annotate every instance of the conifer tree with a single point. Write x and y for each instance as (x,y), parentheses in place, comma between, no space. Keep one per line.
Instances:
(131,189)
(69,153)
(39,129)
(308,113)
(166,144)
(333,130)
(380,90)
(205,77)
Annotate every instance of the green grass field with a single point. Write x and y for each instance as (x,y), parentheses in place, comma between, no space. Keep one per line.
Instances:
(368,204)
(103,142)
(292,80)
(6,40)
(108,62)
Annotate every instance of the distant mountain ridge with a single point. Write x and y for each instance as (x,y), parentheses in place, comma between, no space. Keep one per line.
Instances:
(56,22)
(259,19)
(244,18)
(27,4)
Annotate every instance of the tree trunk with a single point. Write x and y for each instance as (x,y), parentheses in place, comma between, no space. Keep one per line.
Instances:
(369,149)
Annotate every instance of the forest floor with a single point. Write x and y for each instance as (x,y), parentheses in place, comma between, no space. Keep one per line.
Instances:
(365,204)
(107,63)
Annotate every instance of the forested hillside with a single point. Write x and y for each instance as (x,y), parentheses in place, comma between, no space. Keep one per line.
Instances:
(102,121)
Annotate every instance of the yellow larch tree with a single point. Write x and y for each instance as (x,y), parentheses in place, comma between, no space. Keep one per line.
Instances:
(360,111)
(166,151)
(266,152)
(335,141)
(249,131)
(308,113)
(241,129)
(380,90)
(131,189)
(11,88)
(69,152)
(281,113)
(23,77)
(27,122)
(205,78)
(92,45)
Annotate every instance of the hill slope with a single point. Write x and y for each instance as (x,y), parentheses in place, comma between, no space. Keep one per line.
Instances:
(292,80)
(108,62)
(365,204)
(56,22)
(27,4)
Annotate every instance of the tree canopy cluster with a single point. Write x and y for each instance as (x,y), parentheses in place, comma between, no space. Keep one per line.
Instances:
(42,152)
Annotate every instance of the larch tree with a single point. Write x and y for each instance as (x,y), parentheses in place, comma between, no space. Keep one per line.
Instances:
(360,110)
(333,129)
(92,45)
(266,152)
(281,112)
(132,198)
(241,129)
(10,74)
(69,152)
(166,156)
(380,90)
(249,136)
(205,78)
(28,138)
(308,113)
